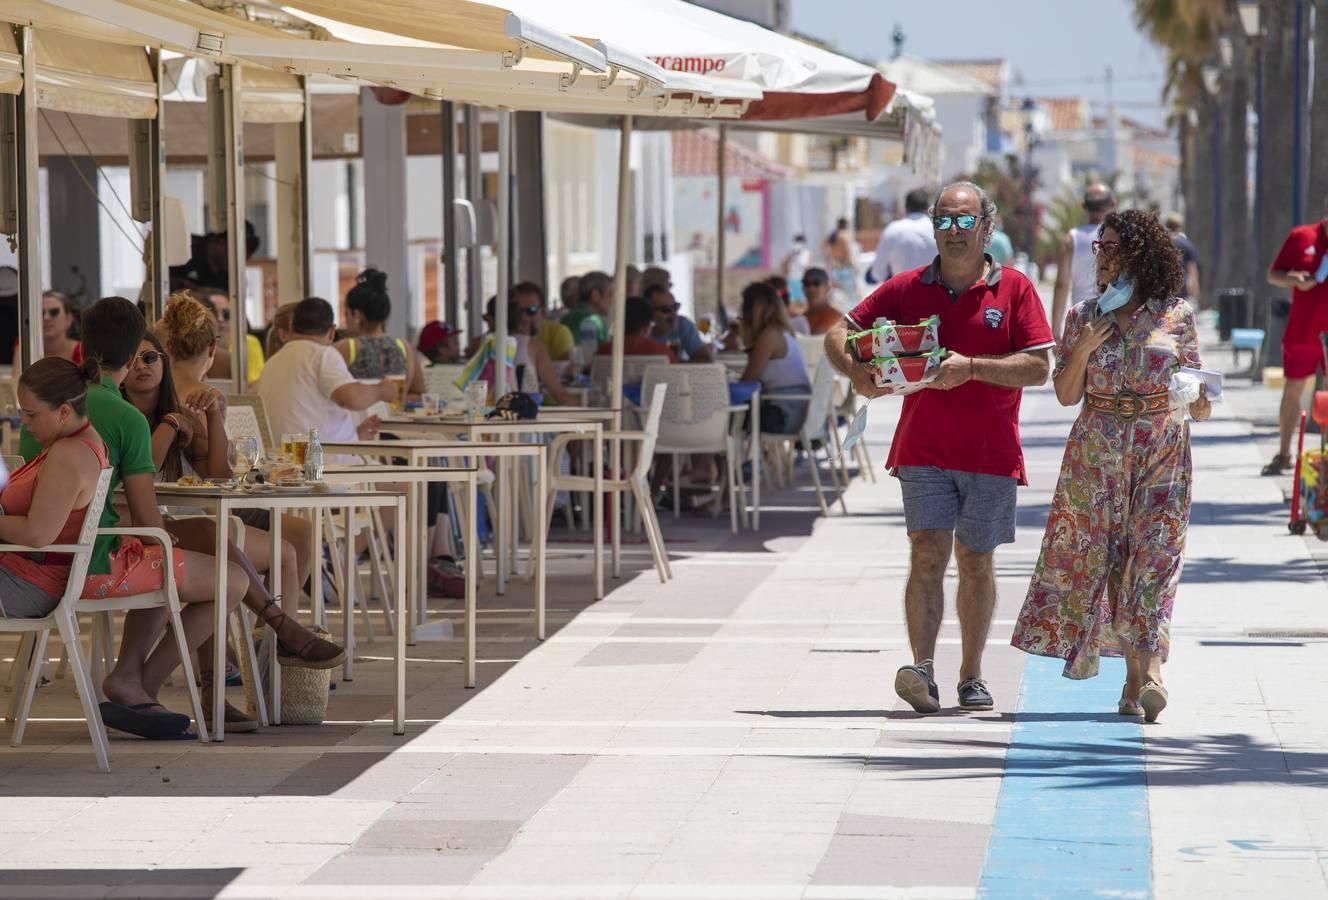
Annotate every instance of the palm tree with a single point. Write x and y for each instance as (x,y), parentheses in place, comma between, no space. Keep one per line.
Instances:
(1318,186)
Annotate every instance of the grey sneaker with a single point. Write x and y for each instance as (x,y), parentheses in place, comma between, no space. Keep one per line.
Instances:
(973,694)
(915,685)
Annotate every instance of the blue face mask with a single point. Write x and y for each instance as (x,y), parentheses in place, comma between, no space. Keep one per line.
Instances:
(1322,273)
(1117,294)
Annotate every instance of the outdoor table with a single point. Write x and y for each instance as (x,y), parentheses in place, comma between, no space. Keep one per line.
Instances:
(569,420)
(418,452)
(220,501)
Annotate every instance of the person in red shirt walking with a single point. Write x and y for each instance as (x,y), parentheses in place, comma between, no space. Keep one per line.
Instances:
(956,449)
(1302,266)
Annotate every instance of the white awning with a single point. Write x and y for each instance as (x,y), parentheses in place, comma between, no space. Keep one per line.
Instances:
(268,97)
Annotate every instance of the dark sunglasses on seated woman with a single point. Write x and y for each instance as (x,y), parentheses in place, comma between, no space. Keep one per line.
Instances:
(150,357)
(963,223)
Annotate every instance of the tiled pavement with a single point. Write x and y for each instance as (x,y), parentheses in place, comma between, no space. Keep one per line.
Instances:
(733,734)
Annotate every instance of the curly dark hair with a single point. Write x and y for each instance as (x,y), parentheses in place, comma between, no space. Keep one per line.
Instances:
(1147,254)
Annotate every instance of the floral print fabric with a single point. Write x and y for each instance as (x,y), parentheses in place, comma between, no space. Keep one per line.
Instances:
(1111,556)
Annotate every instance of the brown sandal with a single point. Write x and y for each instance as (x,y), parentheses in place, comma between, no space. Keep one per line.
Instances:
(1280,463)
(314,653)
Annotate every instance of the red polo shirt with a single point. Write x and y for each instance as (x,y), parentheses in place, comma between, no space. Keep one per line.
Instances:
(974,427)
(1302,251)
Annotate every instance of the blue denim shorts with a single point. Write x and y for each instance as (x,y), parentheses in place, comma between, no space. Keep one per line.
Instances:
(978,508)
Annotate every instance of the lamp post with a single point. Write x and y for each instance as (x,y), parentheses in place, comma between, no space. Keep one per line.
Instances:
(1029,108)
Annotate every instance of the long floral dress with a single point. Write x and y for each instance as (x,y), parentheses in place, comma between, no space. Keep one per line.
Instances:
(1111,556)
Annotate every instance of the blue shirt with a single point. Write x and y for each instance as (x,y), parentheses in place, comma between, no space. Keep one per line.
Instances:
(686,334)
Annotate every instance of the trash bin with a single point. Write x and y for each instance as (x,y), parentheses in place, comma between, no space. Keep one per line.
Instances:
(1233,311)
(1277,311)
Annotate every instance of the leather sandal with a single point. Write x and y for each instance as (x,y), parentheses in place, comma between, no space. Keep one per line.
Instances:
(236,720)
(1279,463)
(314,653)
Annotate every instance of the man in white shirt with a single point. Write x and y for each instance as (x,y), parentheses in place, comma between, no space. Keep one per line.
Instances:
(906,244)
(307,385)
(1076,272)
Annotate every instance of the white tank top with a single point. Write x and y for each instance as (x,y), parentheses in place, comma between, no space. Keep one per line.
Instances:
(789,371)
(1083,267)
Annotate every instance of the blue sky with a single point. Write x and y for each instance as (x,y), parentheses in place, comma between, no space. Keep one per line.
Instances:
(1056,45)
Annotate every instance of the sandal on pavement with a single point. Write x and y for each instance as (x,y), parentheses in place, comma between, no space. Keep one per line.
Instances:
(151,721)
(236,721)
(1153,699)
(1129,708)
(1279,463)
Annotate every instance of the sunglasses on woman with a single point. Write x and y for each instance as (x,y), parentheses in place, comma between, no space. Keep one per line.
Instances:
(1105,248)
(963,223)
(150,357)
(52,313)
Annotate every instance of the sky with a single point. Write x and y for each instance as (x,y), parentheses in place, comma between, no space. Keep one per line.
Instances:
(1059,47)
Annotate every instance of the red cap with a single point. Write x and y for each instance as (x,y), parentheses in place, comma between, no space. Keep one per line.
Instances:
(434,334)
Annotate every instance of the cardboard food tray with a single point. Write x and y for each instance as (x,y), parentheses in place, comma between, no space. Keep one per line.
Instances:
(906,374)
(888,339)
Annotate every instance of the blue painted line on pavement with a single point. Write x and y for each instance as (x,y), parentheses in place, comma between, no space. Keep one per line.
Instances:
(1072,818)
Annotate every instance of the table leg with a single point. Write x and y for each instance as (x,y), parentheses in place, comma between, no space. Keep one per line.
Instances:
(615,502)
(404,605)
(756,461)
(500,520)
(472,564)
(219,628)
(538,536)
(274,667)
(319,611)
(349,582)
(597,515)
(407,548)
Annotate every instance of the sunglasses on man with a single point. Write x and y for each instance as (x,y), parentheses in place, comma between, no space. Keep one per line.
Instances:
(530,310)
(963,223)
(668,308)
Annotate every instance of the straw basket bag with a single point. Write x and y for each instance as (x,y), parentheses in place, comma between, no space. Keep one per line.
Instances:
(303,691)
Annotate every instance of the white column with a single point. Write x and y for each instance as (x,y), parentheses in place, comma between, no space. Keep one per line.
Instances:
(504,251)
(158,273)
(384,130)
(232,171)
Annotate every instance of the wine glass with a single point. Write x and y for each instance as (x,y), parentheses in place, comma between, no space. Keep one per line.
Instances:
(242,454)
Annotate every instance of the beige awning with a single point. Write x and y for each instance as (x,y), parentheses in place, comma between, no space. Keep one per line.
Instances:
(268,96)
(82,75)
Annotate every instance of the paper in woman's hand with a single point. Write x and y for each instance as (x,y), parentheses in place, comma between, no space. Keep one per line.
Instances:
(1212,381)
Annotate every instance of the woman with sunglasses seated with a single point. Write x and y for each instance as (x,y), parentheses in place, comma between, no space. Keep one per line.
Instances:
(370,353)
(37,511)
(189,439)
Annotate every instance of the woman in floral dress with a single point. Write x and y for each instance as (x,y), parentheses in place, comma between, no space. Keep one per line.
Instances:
(1111,556)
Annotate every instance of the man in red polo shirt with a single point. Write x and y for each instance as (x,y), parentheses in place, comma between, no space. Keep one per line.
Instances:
(1300,265)
(956,449)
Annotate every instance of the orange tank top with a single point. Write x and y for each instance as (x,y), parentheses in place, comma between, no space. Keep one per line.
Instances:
(51,571)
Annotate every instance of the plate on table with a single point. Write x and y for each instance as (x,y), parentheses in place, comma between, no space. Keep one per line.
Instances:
(204,488)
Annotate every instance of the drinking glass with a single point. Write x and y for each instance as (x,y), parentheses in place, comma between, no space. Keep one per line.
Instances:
(477,396)
(429,403)
(400,382)
(242,454)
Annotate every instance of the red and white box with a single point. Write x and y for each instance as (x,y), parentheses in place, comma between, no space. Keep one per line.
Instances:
(887,338)
(906,374)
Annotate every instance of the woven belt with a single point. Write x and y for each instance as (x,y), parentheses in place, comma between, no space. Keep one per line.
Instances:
(1128,405)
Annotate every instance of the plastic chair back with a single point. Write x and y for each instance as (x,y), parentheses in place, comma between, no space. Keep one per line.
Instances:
(651,429)
(813,351)
(246,417)
(695,418)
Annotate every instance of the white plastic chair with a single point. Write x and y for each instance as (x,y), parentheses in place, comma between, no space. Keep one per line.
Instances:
(64,619)
(637,481)
(819,425)
(441,380)
(634,367)
(696,420)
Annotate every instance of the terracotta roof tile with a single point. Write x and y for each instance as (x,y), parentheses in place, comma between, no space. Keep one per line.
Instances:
(694,153)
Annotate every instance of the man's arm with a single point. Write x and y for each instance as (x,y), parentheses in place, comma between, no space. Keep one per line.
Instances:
(1023,368)
(1291,278)
(357,397)
(1061,294)
(858,373)
(880,267)
(141,498)
(1193,270)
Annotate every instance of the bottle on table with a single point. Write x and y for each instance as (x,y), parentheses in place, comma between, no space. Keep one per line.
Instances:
(313,458)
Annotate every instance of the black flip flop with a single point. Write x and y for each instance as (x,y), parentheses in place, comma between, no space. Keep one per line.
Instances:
(136,720)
